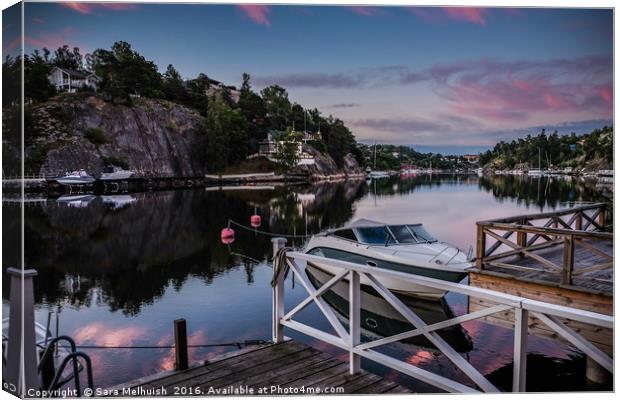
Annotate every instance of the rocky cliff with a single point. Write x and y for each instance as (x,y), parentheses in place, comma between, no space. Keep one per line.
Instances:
(152,137)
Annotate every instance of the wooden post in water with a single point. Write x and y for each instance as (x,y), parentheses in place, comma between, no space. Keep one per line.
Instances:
(480,245)
(277,295)
(20,373)
(180,344)
(569,260)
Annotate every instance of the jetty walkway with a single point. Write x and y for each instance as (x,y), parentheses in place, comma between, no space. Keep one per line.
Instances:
(286,368)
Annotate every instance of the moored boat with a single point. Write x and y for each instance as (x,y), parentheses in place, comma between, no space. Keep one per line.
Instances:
(78,177)
(113,173)
(405,248)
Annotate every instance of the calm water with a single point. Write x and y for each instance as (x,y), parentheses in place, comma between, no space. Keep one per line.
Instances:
(119,270)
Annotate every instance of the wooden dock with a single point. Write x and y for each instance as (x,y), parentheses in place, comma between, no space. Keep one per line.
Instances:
(563,257)
(273,369)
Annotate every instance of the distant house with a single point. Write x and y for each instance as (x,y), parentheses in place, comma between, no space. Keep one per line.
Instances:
(69,80)
(269,147)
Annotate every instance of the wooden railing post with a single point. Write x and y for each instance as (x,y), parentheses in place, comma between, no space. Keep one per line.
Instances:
(519,365)
(569,260)
(180,344)
(601,217)
(579,221)
(480,245)
(522,238)
(277,330)
(354,321)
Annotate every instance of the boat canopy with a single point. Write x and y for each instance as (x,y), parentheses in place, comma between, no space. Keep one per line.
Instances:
(374,232)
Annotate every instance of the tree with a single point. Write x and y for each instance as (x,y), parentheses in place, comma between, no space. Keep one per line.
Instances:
(173,86)
(124,72)
(64,57)
(224,137)
(278,107)
(287,149)
(253,109)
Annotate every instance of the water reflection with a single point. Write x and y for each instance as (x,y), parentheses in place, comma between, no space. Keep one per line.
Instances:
(121,267)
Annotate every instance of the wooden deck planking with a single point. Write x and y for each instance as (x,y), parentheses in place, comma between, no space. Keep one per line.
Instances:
(584,258)
(288,365)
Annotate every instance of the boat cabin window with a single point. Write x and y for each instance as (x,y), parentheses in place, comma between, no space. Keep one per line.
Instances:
(421,234)
(374,235)
(403,235)
(346,234)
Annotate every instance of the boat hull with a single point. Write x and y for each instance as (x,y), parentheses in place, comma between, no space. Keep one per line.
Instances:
(75,181)
(116,176)
(404,288)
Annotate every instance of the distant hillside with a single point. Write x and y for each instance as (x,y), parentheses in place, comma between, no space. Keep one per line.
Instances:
(592,151)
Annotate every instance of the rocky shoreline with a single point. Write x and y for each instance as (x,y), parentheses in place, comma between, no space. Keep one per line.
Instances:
(141,184)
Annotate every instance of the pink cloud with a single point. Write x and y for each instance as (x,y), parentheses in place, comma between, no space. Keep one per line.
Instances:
(89,8)
(512,91)
(473,15)
(469,14)
(38,20)
(52,40)
(363,10)
(257,13)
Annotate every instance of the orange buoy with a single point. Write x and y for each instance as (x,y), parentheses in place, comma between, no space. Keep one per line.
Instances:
(255,221)
(227,235)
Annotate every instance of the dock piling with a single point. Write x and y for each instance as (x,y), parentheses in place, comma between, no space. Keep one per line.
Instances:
(180,344)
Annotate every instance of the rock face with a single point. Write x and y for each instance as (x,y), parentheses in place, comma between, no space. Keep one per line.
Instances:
(325,166)
(152,137)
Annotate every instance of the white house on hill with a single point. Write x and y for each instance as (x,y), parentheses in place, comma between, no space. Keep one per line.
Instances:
(68,80)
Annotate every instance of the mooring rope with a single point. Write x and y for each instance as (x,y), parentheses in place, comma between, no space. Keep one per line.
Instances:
(249,228)
(280,265)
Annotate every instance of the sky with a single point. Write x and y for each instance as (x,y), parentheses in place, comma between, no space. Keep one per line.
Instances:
(452,79)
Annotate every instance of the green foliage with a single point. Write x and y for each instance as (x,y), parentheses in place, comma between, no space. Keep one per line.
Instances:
(125,72)
(552,151)
(277,107)
(95,136)
(287,149)
(223,136)
(36,84)
(64,57)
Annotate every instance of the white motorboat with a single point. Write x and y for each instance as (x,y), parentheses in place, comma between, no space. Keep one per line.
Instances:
(78,177)
(113,173)
(379,174)
(405,248)
(380,318)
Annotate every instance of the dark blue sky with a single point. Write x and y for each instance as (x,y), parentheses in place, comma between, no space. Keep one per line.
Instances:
(427,76)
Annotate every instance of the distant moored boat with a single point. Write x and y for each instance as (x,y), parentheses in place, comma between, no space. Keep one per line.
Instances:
(78,177)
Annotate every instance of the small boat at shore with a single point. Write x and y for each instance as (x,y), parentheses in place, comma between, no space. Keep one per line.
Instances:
(113,173)
(78,177)
(405,248)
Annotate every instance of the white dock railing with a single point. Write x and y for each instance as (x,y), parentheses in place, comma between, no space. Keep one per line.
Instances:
(350,340)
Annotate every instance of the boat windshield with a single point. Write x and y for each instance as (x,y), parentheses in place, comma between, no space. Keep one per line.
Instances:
(421,234)
(374,235)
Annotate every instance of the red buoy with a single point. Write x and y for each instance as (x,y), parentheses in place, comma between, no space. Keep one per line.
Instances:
(255,221)
(227,235)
